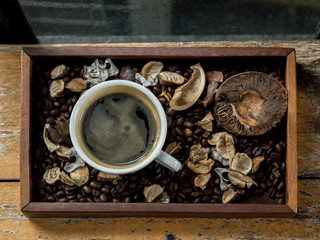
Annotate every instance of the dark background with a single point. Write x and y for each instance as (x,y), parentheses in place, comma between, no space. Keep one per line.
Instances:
(102,21)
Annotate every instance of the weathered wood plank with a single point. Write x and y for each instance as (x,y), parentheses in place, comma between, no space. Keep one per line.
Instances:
(14,225)
(308,85)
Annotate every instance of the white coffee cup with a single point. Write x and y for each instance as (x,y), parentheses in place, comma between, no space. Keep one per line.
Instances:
(155,153)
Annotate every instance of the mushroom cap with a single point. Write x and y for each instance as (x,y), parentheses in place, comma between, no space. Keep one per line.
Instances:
(250,103)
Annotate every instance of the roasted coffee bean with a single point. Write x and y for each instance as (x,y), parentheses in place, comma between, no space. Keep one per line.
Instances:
(95,192)
(188,123)
(179,131)
(54,112)
(105,190)
(278,148)
(186,190)
(79,195)
(116,200)
(217,190)
(173,187)
(48,189)
(241,191)
(127,200)
(89,199)
(206,199)
(283,167)
(120,187)
(204,142)
(137,197)
(257,151)
(197,200)
(86,189)
(71,197)
(276,173)
(95,185)
(60,194)
(217,181)
(276,165)
(189,140)
(206,134)
(275,156)
(279,194)
(170,111)
(69,192)
(63,108)
(50,120)
(273,193)
(179,121)
(51,198)
(48,105)
(197,131)
(83,200)
(70,108)
(64,199)
(263,186)
(209,191)
(41,192)
(281,201)
(280,186)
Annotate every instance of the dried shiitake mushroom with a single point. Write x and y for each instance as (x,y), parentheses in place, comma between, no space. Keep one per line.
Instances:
(187,94)
(62,153)
(204,166)
(198,153)
(250,103)
(151,70)
(50,145)
(216,156)
(80,176)
(225,146)
(59,71)
(213,79)
(76,85)
(56,88)
(213,138)
(52,175)
(173,148)
(108,177)
(228,196)
(201,180)
(151,193)
(206,122)
(242,163)
(167,78)
(145,82)
(240,180)
(256,163)
(64,177)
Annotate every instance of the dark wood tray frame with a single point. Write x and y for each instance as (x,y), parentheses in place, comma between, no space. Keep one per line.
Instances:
(43,209)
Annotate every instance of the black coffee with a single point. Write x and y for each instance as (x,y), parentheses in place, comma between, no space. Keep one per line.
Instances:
(119,129)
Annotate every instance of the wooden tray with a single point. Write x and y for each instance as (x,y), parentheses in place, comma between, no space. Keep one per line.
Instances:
(44,209)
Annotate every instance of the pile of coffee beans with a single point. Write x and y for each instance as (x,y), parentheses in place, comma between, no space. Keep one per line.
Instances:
(182,128)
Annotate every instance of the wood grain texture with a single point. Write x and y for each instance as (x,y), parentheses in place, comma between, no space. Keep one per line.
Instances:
(308,85)
(306,224)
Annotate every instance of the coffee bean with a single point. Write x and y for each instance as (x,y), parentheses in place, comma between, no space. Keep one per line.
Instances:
(283,167)
(217,190)
(197,200)
(206,134)
(263,186)
(51,198)
(279,194)
(186,190)
(83,200)
(173,187)
(66,115)
(276,173)
(272,194)
(73,196)
(179,121)
(86,189)
(120,187)
(50,120)
(198,131)
(179,131)
(170,111)
(278,148)
(127,200)
(275,156)
(209,191)
(60,194)
(189,140)
(280,186)
(96,192)
(48,189)
(188,123)
(257,151)
(95,185)
(241,191)
(204,142)
(104,197)
(116,200)
(281,201)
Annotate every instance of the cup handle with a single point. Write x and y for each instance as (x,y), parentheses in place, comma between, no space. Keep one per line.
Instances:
(168,161)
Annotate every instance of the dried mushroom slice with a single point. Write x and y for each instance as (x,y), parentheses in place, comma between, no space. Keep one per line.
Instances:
(80,176)
(144,81)
(64,177)
(242,163)
(108,177)
(213,138)
(225,146)
(52,175)
(71,166)
(59,71)
(151,193)
(240,180)
(76,85)
(62,154)
(167,78)
(173,148)
(250,103)
(151,70)
(223,181)
(228,196)
(213,79)
(206,122)
(256,163)
(188,94)
(198,153)
(50,145)
(164,198)
(127,73)
(216,156)
(201,167)
(56,88)
(201,180)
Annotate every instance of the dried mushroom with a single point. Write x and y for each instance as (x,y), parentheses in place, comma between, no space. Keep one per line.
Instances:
(62,154)
(250,103)
(201,180)
(151,193)
(151,70)
(56,88)
(225,146)
(167,78)
(145,82)
(127,73)
(71,166)
(240,180)
(164,198)
(187,94)
(50,145)
(198,153)
(213,138)
(76,85)
(256,163)
(59,71)
(66,179)
(213,79)
(173,148)
(216,156)
(80,176)
(206,122)
(201,167)
(223,181)
(51,175)
(242,163)
(99,71)
(228,196)
(108,177)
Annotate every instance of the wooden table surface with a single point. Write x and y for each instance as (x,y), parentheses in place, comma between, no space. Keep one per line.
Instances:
(305,225)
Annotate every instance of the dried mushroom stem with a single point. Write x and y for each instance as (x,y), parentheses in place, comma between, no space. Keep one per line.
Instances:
(201,180)
(228,196)
(188,94)
(52,175)
(201,167)
(240,180)
(213,138)
(242,163)
(64,177)
(151,193)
